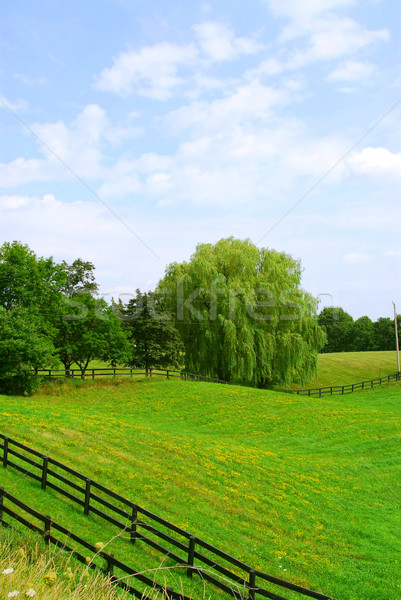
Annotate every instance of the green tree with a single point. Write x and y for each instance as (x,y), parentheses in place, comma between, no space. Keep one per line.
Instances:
(155,342)
(362,335)
(89,329)
(338,326)
(28,281)
(242,315)
(384,333)
(80,278)
(23,350)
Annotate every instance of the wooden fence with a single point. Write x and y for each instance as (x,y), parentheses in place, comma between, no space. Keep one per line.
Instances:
(238,579)
(127,372)
(169,374)
(346,389)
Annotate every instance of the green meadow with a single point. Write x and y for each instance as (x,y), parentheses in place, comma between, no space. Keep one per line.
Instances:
(341,368)
(304,489)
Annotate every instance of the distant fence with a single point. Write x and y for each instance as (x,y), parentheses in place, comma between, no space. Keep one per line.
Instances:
(191,552)
(127,372)
(170,374)
(346,389)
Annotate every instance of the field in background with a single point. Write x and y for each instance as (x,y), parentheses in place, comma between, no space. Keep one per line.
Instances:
(341,368)
(301,488)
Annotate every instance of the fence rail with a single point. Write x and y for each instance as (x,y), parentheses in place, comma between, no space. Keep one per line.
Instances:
(346,389)
(170,374)
(126,372)
(191,552)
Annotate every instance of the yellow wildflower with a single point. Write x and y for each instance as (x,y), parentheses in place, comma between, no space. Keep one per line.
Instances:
(50,578)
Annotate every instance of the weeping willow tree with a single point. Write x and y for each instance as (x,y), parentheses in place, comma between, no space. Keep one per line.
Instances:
(242,315)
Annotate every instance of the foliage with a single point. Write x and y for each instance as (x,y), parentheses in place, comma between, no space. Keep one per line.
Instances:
(242,314)
(79,278)
(346,335)
(89,329)
(362,335)
(23,348)
(384,333)
(28,281)
(338,326)
(155,342)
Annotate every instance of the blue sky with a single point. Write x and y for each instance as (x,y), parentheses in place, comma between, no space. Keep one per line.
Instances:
(132,131)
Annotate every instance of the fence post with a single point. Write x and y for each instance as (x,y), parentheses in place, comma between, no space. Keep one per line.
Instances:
(134,518)
(168,374)
(44,472)
(93,373)
(5,455)
(110,564)
(191,553)
(251,584)
(87,496)
(2,492)
(48,525)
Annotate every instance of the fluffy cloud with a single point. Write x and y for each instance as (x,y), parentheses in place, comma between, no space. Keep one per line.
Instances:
(331,37)
(151,71)
(160,70)
(357,258)
(218,42)
(307,8)
(327,35)
(352,71)
(69,149)
(17,105)
(376,162)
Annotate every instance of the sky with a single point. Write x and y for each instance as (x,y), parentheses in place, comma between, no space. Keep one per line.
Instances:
(132,131)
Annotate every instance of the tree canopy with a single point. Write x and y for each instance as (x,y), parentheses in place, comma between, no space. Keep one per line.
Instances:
(154,340)
(242,314)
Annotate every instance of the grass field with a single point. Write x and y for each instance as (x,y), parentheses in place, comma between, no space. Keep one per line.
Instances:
(341,368)
(279,481)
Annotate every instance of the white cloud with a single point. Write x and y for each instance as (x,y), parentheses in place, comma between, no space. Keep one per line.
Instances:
(246,103)
(69,149)
(351,71)
(331,37)
(15,106)
(21,170)
(376,162)
(151,71)
(27,80)
(357,258)
(13,202)
(327,35)
(392,253)
(306,9)
(218,41)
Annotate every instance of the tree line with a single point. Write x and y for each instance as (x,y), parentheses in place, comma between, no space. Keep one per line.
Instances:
(233,311)
(363,335)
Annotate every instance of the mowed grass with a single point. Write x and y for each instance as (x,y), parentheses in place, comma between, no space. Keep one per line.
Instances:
(305,489)
(341,368)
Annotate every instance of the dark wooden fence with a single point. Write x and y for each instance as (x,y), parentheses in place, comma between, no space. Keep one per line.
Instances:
(47,531)
(170,374)
(346,389)
(127,372)
(237,578)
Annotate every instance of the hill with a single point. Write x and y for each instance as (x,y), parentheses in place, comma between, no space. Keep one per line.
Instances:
(341,368)
(280,481)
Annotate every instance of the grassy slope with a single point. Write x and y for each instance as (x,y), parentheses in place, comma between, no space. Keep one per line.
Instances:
(260,474)
(340,368)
